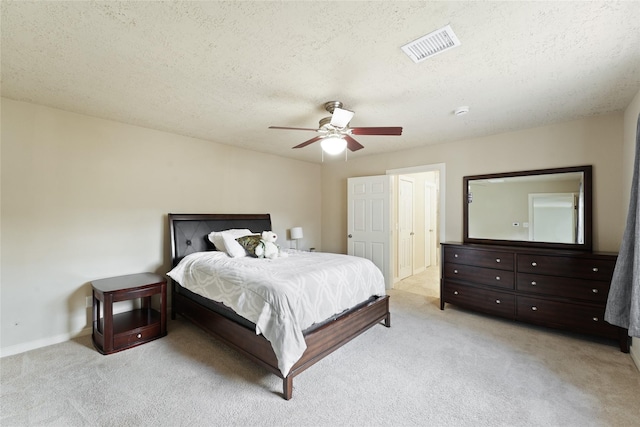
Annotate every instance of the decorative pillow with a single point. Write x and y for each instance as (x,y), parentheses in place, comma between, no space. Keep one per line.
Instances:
(249,243)
(225,241)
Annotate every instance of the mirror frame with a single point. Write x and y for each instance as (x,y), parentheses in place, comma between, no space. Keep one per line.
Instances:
(588,209)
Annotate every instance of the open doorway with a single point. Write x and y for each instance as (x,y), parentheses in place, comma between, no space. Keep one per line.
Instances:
(418,223)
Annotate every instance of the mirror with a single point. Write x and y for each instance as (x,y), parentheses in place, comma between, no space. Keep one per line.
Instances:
(548,208)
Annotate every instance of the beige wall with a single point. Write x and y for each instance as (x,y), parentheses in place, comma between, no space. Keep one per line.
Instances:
(630,127)
(85,198)
(594,141)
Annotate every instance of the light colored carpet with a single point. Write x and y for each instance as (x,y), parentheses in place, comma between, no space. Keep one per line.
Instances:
(426,283)
(432,367)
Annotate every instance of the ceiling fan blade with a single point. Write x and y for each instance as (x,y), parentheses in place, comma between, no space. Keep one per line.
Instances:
(311,141)
(341,118)
(377,131)
(352,144)
(288,128)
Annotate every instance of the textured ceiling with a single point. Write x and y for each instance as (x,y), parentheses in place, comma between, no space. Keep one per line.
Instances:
(226,71)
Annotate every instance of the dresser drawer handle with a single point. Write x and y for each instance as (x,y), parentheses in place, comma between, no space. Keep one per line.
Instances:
(534,283)
(595,319)
(455,271)
(497,259)
(534,264)
(534,308)
(498,278)
(455,292)
(595,291)
(497,301)
(595,269)
(139,335)
(455,255)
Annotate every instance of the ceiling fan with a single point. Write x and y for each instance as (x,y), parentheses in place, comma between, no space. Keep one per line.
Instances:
(335,133)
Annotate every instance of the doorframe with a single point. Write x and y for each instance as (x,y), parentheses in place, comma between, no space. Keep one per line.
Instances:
(433,259)
(441,169)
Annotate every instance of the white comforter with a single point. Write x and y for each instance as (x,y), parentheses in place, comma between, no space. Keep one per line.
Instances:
(282,296)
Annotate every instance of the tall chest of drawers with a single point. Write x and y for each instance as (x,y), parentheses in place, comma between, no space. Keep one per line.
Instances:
(558,289)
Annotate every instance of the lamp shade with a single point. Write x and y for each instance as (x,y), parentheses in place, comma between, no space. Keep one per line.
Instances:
(296,233)
(333,144)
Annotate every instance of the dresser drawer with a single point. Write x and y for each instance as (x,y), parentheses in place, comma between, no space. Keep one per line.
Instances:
(138,336)
(567,266)
(565,287)
(576,317)
(480,258)
(484,300)
(479,275)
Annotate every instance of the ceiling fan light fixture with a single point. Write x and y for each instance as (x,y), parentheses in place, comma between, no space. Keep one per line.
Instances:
(333,145)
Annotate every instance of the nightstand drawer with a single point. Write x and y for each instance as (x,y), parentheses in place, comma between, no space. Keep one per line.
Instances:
(479,275)
(484,300)
(139,336)
(565,287)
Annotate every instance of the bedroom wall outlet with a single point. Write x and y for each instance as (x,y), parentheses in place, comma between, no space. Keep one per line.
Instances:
(88,302)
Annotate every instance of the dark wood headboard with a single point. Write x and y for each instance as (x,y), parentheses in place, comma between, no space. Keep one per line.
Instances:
(189,232)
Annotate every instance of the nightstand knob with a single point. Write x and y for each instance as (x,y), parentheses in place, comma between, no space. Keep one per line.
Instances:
(533,283)
(455,271)
(497,259)
(534,308)
(595,291)
(455,292)
(455,255)
(139,335)
(595,319)
(498,278)
(497,301)
(534,264)
(595,269)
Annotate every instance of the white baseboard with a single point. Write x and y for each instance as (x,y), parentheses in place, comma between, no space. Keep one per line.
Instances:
(44,342)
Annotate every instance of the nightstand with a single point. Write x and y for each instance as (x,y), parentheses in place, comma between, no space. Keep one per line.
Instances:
(113,333)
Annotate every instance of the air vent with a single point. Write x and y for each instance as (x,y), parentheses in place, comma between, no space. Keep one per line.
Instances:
(432,44)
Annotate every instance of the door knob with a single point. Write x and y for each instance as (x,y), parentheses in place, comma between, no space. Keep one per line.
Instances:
(350,236)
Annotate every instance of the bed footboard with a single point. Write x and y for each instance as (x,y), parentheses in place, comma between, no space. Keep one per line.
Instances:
(330,337)
(320,342)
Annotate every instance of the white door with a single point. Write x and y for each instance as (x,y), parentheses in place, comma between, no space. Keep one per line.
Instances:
(368,221)
(405,227)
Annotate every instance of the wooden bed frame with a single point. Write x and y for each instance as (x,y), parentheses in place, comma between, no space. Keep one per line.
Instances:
(189,233)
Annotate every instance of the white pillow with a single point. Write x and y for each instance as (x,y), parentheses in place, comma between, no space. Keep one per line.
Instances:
(225,241)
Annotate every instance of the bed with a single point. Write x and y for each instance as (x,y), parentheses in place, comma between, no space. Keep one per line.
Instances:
(189,240)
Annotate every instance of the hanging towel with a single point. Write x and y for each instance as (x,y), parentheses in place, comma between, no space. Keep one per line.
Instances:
(623,303)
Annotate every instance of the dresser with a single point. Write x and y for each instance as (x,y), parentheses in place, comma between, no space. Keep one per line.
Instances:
(555,288)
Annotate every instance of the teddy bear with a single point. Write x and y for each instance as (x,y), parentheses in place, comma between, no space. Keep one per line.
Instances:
(267,247)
